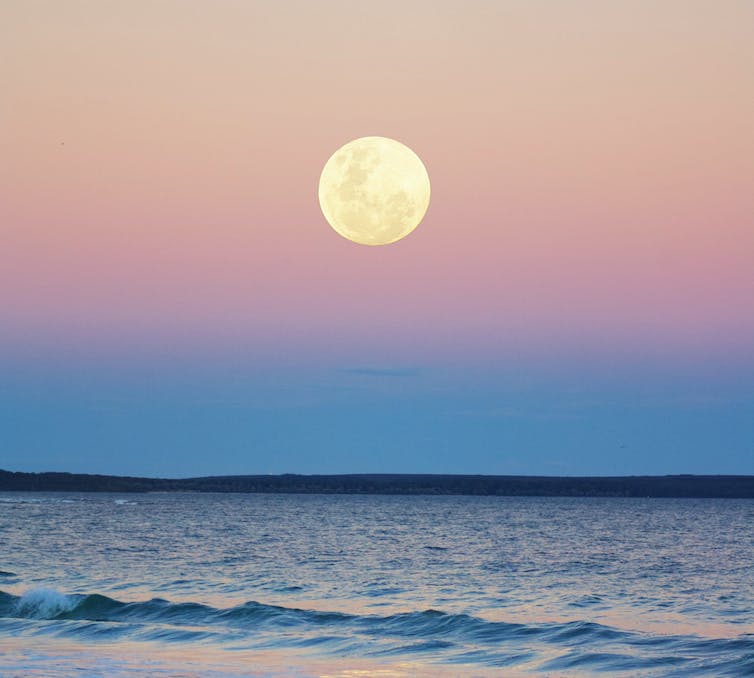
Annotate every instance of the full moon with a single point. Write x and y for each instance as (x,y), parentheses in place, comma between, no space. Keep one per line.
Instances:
(374,190)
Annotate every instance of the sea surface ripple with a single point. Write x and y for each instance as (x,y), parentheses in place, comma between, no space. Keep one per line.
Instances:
(303,585)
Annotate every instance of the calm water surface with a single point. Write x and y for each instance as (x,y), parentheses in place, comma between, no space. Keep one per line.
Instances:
(225,584)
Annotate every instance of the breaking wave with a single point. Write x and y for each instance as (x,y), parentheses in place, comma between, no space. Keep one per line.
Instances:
(432,634)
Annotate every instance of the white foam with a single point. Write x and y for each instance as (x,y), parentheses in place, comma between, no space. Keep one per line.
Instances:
(44,603)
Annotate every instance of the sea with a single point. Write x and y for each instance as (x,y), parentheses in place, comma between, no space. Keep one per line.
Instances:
(189,584)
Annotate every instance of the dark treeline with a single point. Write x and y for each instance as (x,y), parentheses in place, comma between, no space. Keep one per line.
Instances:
(538,486)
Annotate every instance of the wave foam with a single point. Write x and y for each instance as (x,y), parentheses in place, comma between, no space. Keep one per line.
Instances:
(44,603)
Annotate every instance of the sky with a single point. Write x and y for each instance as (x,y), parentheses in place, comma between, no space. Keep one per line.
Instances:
(579,299)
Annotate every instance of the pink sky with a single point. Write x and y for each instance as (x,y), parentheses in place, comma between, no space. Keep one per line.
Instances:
(592,169)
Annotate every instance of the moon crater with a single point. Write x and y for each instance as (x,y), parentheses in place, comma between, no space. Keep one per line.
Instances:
(374,190)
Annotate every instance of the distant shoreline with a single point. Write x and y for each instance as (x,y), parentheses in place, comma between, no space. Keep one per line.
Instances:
(689,486)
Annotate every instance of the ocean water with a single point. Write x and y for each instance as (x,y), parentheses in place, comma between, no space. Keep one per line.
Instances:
(307,585)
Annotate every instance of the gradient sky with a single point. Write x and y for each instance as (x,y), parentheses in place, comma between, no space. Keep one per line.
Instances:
(578,300)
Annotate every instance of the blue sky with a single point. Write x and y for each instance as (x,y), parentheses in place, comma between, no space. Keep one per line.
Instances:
(180,419)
